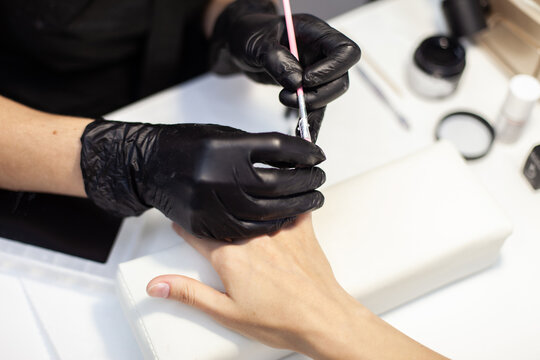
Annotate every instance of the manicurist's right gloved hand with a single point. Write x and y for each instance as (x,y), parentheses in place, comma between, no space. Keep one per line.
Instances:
(249,36)
(201,176)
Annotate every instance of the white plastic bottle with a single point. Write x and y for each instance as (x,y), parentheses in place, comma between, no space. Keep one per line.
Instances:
(523,93)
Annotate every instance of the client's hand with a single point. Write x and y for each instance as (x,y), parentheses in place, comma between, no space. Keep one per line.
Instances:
(280,290)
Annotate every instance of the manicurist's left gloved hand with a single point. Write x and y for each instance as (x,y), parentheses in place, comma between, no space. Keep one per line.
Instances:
(202,177)
(250,37)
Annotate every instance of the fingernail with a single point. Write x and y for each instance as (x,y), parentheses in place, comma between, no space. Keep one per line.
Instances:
(160,290)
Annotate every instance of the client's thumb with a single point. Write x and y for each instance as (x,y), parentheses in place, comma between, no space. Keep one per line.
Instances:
(190,292)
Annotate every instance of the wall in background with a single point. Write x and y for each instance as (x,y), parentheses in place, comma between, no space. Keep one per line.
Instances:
(325,9)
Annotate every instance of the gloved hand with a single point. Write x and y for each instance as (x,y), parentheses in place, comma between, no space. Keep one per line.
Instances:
(249,36)
(201,176)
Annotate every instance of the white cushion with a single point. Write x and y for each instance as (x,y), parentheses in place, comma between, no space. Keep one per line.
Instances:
(391,235)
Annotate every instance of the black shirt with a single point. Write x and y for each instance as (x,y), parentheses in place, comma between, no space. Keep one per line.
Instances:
(90,57)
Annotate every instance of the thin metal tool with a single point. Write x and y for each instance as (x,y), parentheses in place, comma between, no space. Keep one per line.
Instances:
(378,92)
(303,124)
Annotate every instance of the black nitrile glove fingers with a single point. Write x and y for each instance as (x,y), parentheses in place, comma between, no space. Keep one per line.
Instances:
(283,67)
(257,48)
(248,208)
(237,229)
(318,97)
(325,53)
(261,77)
(258,228)
(258,43)
(281,150)
(204,178)
(270,183)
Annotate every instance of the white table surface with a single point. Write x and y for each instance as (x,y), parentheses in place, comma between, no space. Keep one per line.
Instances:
(492,315)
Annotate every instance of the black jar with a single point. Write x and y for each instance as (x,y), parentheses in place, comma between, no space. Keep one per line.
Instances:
(438,63)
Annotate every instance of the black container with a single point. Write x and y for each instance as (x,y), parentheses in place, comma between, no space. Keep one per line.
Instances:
(464,17)
(438,63)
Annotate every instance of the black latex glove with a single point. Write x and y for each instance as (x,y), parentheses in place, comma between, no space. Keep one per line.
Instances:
(249,36)
(201,176)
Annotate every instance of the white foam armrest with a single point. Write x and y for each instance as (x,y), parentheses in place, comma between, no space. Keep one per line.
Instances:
(391,235)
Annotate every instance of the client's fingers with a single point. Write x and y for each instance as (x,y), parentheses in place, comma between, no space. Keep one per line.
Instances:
(193,293)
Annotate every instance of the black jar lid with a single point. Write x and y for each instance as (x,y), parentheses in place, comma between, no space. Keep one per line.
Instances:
(440,56)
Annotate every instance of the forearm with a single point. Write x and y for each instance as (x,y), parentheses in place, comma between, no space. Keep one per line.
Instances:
(362,335)
(40,151)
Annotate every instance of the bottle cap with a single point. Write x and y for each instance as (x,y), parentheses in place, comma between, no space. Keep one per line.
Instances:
(523,93)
